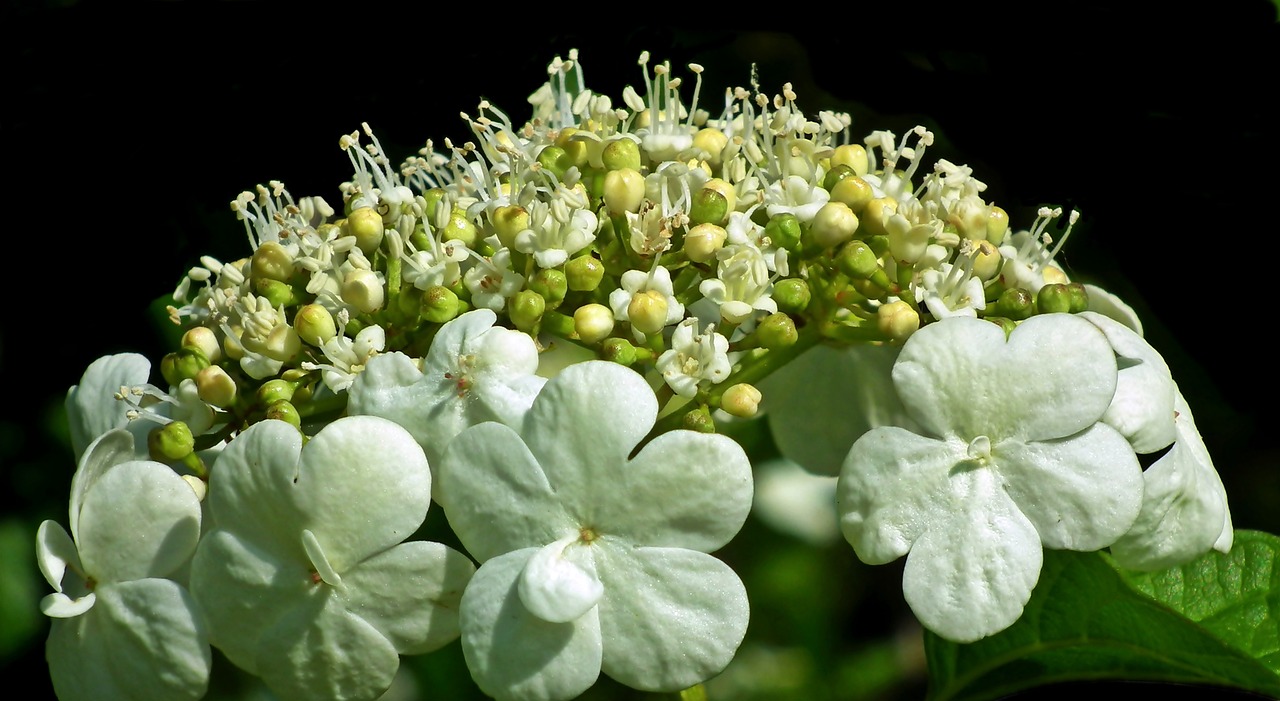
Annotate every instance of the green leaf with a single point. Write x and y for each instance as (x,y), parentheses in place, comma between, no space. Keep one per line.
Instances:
(1084,622)
(1235,596)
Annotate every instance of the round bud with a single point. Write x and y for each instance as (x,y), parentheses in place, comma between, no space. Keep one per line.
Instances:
(282,343)
(647,311)
(1052,274)
(593,323)
(459,228)
(440,304)
(897,320)
(699,420)
(834,224)
(431,197)
(509,220)
(271,262)
(621,153)
(997,224)
(170,442)
(286,412)
(231,344)
(777,331)
(366,226)
(1079,297)
(276,390)
(578,149)
(792,295)
(702,242)
(987,263)
(854,192)
(710,206)
(363,290)
(1014,303)
(551,284)
(741,400)
(203,339)
(876,213)
(835,175)
(623,190)
(784,231)
(315,324)
(277,293)
(852,155)
(1053,298)
(556,160)
(584,273)
(215,386)
(182,364)
(711,142)
(857,260)
(525,309)
(618,350)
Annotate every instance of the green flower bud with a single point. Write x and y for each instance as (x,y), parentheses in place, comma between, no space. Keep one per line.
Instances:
(834,224)
(182,364)
(623,190)
(777,331)
(741,400)
(286,412)
(432,197)
(556,160)
(366,226)
(277,390)
(363,290)
(203,339)
(835,175)
(440,304)
(315,324)
(1015,303)
(584,273)
(216,387)
(709,207)
(509,220)
(702,242)
(699,420)
(579,150)
(170,442)
(551,284)
(648,311)
(784,231)
(460,228)
(618,350)
(1053,298)
(1003,322)
(792,295)
(276,292)
(621,153)
(876,213)
(854,192)
(525,309)
(858,261)
(593,323)
(852,155)
(1079,297)
(997,225)
(897,320)
(271,262)
(988,262)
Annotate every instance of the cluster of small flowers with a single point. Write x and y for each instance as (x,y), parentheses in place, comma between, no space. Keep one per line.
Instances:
(655,263)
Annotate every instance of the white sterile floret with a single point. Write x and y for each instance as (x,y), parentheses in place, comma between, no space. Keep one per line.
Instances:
(592,561)
(1012,457)
(474,372)
(121,628)
(314,591)
(694,357)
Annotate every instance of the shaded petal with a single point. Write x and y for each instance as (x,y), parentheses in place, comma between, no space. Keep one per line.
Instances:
(139,520)
(520,508)
(92,408)
(392,387)
(1054,376)
(1142,408)
(1082,492)
(671,617)
(411,594)
(1184,508)
(249,492)
(971,573)
(825,399)
(683,489)
(894,486)
(320,651)
(559,583)
(585,423)
(55,552)
(59,605)
(144,640)
(1112,306)
(105,452)
(513,654)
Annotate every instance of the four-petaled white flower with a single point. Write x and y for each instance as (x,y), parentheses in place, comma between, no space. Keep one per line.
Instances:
(593,561)
(694,357)
(122,628)
(1012,457)
(313,588)
(474,372)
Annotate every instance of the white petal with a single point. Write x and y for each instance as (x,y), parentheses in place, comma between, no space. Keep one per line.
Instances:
(105,452)
(1142,408)
(1110,305)
(59,605)
(672,618)
(971,574)
(92,408)
(513,654)
(55,551)
(559,584)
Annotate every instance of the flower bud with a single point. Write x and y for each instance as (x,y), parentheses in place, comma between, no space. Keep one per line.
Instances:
(784,231)
(277,293)
(623,190)
(509,220)
(584,273)
(276,390)
(231,344)
(858,261)
(1004,322)
(647,311)
(551,284)
(593,322)
(986,264)
(777,331)
(182,364)
(1014,303)
(699,420)
(876,213)
(702,242)
(618,350)
(315,324)
(199,486)
(215,386)
(741,400)
(852,155)
(711,142)
(271,262)
(1079,297)
(170,442)
(525,309)
(710,206)
(997,225)
(286,412)
(363,290)
(555,160)
(897,320)
(366,226)
(835,175)
(282,343)
(621,154)
(432,198)
(459,228)
(792,295)
(203,339)
(854,192)
(1053,298)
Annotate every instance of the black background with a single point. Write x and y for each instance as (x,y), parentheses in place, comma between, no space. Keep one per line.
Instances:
(127,128)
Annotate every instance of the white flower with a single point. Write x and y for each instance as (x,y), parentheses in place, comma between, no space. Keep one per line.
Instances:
(795,195)
(121,628)
(592,561)
(1012,457)
(742,285)
(474,372)
(491,281)
(348,357)
(312,587)
(556,233)
(635,282)
(694,357)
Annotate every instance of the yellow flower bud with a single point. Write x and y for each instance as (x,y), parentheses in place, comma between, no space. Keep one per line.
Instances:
(741,400)
(363,290)
(834,224)
(366,226)
(702,242)
(647,311)
(271,262)
(876,213)
(852,155)
(203,339)
(315,324)
(854,192)
(623,190)
(593,322)
(897,320)
(509,220)
(215,386)
(711,143)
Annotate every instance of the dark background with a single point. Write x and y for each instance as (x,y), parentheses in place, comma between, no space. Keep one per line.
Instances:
(127,128)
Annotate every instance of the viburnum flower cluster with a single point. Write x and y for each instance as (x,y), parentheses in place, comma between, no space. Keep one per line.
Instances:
(541,329)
